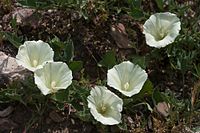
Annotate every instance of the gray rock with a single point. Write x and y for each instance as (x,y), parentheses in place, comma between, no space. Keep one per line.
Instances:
(10,69)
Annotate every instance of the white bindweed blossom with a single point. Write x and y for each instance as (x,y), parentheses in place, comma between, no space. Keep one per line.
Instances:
(105,106)
(34,54)
(161,29)
(53,77)
(127,78)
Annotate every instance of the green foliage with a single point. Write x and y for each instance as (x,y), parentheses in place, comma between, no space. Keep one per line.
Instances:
(76,65)
(36,3)
(142,61)
(182,60)
(136,10)
(197,70)
(76,96)
(160,4)
(184,53)
(61,96)
(157,97)
(64,51)
(79,5)
(13,38)
(24,92)
(108,60)
(146,91)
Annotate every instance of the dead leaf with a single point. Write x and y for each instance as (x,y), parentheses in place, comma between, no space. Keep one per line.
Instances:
(118,32)
(181,129)
(158,126)
(55,116)
(195,93)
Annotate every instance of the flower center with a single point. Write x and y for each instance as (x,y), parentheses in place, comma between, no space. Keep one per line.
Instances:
(53,84)
(35,63)
(102,109)
(161,34)
(126,86)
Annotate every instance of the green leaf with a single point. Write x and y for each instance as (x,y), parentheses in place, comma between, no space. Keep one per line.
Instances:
(81,92)
(60,106)
(108,60)
(61,96)
(135,3)
(56,41)
(68,50)
(141,61)
(137,13)
(3,97)
(35,3)
(160,4)
(12,38)
(197,70)
(84,115)
(76,105)
(196,129)
(15,97)
(13,23)
(76,65)
(147,90)
(158,97)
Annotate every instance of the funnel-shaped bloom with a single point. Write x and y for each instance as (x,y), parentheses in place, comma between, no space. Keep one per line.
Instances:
(53,77)
(127,78)
(105,106)
(161,29)
(34,54)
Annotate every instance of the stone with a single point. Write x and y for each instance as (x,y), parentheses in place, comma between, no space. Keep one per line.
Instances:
(10,69)
(118,32)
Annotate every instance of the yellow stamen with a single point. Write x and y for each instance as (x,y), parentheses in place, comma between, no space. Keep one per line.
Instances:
(53,84)
(126,86)
(35,63)
(102,109)
(162,34)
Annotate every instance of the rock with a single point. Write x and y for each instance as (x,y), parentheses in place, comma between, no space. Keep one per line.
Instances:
(163,108)
(10,69)
(21,14)
(118,32)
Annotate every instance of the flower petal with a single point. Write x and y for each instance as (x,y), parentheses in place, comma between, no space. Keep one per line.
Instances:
(161,29)
(101,95)
(130,78)
(53,77)
(34,54)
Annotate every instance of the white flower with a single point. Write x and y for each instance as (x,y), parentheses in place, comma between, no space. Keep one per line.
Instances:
(127,78)
(34,54)
(105,106)
(53,77)
(161,29)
